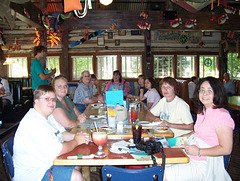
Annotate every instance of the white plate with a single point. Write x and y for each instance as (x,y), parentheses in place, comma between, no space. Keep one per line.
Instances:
(113,150)
(152,124)
(161,131)
(97,117)
(97,105)
(143,123)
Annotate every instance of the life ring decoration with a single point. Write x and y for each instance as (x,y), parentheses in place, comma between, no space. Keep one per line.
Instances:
(183,38)
(208,62)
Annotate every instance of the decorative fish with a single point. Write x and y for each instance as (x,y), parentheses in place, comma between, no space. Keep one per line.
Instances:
(176,22)
(191,23)
(144,25)
(222,19)
(230,10)
(113,26)
(212,18)
(92,35)
(144,15)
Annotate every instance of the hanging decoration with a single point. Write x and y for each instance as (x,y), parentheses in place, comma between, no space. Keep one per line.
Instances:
(212,18)
(176,22)
(230,10)
(88,4)
(113,26)
(208,62)
(222,19)
(143,25)
(53,39)
(2,40)
(144,15)
(37,40)
(70,5)
(191,23)
(201,44)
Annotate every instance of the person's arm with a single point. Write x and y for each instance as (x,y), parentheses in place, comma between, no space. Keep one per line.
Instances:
(225,138)
(152,117)
(149,105)
(62,118)
(46,76)
(177,126)
(79,138)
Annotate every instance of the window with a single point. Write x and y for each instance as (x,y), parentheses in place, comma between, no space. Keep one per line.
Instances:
(208,66)
(20,65)
(53,62)
(163,66)
(131,66)
(105,66)
(81,63)
(233,65)
(185,65)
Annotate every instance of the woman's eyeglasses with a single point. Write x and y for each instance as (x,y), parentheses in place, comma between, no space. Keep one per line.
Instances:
(203,91)
(60,86)
(48,99)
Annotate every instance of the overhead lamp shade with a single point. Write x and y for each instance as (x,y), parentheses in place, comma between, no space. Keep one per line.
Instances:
(9,61)
(106,2)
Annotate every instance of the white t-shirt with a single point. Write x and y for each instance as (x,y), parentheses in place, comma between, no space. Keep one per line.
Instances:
(177,111)
(4,83)
(152,96)
(37,142)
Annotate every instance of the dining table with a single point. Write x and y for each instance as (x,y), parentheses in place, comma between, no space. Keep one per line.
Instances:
(234,102)
(173,155)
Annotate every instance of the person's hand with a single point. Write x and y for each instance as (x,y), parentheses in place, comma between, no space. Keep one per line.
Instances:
(191,149)
(2,90)
(81,118)
(164,123)
(157,120)
(81,138)
(100,98)
(53,71)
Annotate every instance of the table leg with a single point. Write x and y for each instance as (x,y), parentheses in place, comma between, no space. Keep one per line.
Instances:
(86,173)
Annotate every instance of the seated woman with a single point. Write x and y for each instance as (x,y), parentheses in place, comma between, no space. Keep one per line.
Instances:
(65,112)
(173,111)
(93,80)
(211,139)
(4,89)
(151,95)
(117,83)
(84,93)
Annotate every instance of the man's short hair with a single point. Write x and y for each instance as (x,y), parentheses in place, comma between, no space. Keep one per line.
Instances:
(39,49)
(42,90)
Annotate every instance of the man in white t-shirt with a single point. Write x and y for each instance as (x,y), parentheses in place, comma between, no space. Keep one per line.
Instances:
(4,89)
(192,86)
(39,139)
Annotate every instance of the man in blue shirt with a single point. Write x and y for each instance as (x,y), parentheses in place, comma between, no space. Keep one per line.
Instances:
(229,85)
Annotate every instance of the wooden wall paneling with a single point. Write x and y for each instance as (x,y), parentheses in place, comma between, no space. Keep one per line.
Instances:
(65,68)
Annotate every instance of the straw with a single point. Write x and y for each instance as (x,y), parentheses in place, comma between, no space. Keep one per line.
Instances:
(95,124)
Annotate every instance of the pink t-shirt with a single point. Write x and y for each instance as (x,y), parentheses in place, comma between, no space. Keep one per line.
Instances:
(120,83)
(205,129)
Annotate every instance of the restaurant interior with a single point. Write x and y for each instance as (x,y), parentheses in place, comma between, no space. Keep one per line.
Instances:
(155,38)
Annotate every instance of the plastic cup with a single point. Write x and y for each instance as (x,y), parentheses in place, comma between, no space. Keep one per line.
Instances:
(112,122)
(137,133)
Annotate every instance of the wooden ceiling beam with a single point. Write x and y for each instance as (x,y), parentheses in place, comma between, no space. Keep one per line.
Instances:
(33,16)
(129,20)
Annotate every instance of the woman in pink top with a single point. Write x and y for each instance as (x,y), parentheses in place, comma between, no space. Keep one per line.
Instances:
(211,139)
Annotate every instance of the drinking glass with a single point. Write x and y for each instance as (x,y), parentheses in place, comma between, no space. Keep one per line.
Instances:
(134,114)
(137,133)
(99,138)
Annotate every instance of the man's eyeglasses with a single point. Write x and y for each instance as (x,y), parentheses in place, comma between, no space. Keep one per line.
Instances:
(86,76)
(48,99)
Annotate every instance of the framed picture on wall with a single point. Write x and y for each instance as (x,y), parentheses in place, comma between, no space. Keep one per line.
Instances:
(117,42)
(110,35)
(207,33)
(122,32)
(100,41)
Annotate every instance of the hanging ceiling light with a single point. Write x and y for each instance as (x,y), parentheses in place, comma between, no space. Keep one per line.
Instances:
(8,61)
(105,2)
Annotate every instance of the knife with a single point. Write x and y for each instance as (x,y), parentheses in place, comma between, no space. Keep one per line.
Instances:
(154,136)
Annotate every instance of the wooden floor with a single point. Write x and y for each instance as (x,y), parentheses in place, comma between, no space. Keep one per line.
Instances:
(233,170)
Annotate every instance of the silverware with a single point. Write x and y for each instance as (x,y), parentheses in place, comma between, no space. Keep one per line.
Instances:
(154,136)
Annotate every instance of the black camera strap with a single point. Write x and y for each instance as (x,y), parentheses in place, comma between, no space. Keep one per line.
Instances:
(163,159)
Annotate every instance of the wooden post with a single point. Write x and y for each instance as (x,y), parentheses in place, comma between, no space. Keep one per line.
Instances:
(65,68)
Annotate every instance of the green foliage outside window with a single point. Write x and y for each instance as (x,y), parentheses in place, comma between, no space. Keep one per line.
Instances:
(80,64)
(208,66)
(233,64)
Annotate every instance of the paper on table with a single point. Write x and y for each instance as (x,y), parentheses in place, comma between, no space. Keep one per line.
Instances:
(177,142)
(97,116)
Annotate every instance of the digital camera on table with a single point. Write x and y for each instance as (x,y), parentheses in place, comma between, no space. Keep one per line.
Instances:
(150,147)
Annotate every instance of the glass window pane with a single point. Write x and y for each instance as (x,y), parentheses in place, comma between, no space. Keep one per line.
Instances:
(53,62)
(131,66)
(233,65)
(208,66)
(163,66)
(105,66)
(20,65)
(185,66)
(81,63)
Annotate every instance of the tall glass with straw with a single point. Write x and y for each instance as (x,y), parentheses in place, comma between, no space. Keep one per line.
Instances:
(99,138)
